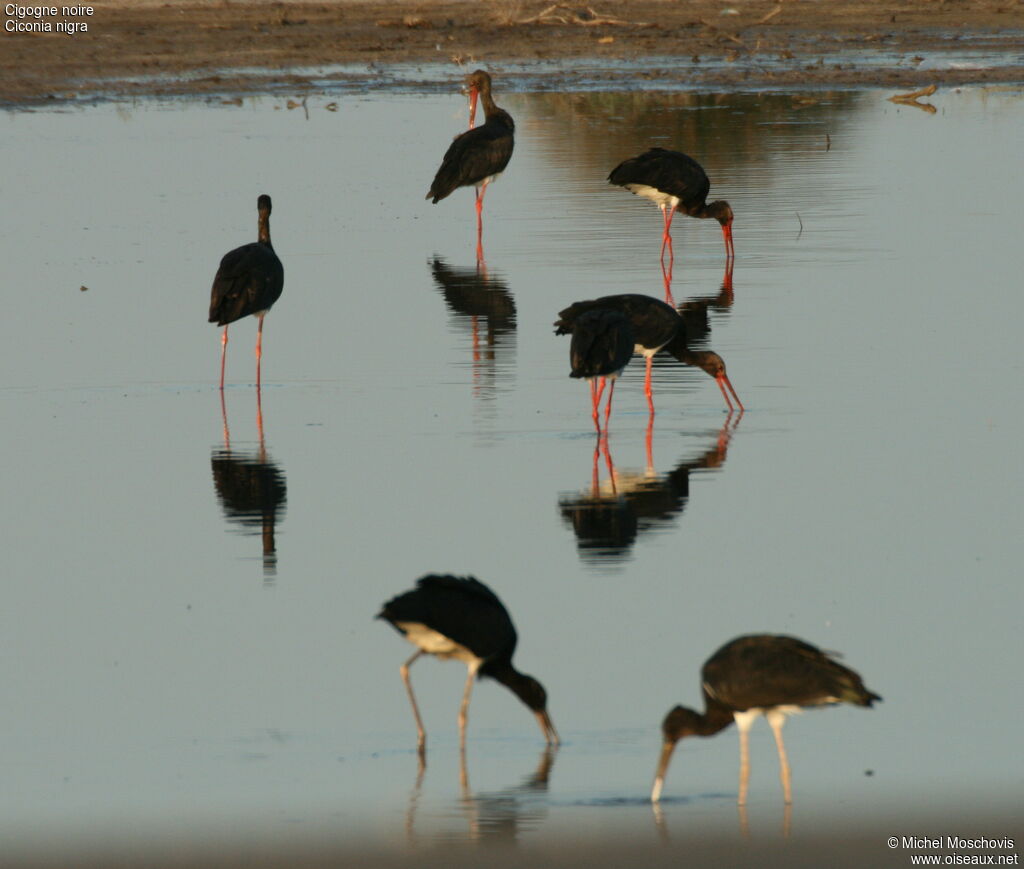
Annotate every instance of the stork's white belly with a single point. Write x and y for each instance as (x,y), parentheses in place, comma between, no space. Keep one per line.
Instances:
(485,181)
(658,197)
(434,643)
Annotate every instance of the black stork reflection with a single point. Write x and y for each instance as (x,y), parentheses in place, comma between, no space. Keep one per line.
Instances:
(695,329)
(251,489)
(479,155)
(609,516)
(674,182)
(460,617)
(476,295)
(695,311)
(494,817)
(248,282)
(760,674)
(723,299)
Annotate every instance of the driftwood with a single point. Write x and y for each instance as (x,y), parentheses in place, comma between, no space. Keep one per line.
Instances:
(911,98)
(559,13)
(913,95)
(730,36)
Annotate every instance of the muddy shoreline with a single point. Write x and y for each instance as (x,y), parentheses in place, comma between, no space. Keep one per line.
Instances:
(151,48)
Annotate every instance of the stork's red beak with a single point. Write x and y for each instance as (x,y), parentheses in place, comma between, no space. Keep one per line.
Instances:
(730,251)
(473,94)
(547,727)
(659,776)
(723,381)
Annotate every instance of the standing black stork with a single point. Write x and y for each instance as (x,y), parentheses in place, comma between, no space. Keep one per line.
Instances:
(654,324)
(674,182)
(602,344)
(460,617)
(249,280)
(480,154)
(760,674)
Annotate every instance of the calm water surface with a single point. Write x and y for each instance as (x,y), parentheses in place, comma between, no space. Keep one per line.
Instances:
(187,620)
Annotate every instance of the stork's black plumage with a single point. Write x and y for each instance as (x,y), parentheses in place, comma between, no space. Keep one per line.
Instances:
(652,322)
(656,325)
(602,344)
(760,674)
(674,182)
(460,617)
(249,280)
(480,154)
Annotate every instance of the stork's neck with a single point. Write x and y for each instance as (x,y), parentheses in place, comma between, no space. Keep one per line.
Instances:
(702,359)
(264,229)
(720,210)
(716,717)
(523,686)
(501,670)
(487,101)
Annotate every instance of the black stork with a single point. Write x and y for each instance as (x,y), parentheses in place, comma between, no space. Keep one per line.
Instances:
(674,182)
(249,280)
(460,617)
(760,674)
(653,323)
(480,154)
(602,344)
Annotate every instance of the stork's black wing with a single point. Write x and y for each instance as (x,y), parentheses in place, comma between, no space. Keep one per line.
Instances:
(475,155)
(767,670)
(670,172)
(250,279)
(602,343)
(462,609)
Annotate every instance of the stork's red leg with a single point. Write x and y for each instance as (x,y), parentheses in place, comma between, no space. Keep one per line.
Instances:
(223,354)
(647,385)
(259,349)
(608,406)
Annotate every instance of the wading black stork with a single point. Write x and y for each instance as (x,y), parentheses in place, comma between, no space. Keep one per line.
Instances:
(602,344)
(249,280)
(674,182)
(460,617)
(653,324)
(479,155)
(761,674)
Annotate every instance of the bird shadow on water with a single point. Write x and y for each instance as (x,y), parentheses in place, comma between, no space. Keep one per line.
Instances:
(497,817)
(481,302)
(609,516)
(742,816)
(251,488)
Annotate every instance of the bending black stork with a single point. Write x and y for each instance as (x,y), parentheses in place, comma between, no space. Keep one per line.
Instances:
(761,674)
(674,182)
(602,343)
(460,617)
(479,155)
(653,323)
(249,280)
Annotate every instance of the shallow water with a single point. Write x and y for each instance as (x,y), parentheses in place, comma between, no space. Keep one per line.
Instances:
(188,616)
